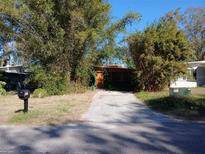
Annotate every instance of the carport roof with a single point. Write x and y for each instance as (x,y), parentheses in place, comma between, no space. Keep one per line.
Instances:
(197,63)
(118,67)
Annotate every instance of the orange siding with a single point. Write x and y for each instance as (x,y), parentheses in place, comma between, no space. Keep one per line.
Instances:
(100,79)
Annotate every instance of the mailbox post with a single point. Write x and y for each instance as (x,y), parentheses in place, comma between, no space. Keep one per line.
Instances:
(24,95)
(26,105)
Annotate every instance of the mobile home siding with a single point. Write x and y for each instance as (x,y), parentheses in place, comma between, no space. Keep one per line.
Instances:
(200,76)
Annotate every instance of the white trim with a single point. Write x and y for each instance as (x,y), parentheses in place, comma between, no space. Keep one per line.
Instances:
(197,63)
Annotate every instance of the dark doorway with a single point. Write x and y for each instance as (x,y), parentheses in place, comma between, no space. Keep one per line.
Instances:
(114,78)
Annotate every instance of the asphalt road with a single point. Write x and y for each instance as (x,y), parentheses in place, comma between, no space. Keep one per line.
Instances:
(116,123)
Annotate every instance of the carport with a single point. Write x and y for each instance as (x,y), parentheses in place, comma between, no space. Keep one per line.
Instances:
(113,76)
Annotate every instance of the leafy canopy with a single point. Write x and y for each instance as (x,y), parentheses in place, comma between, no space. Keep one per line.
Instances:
(159,53)
(60,35)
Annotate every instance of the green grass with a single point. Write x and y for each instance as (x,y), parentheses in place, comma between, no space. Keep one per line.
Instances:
(23,117)
(37,115)
(190,107)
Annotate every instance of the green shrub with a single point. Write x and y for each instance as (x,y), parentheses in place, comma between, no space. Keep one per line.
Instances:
(159,54)
(2,90)
(57,82)
(40,93)
(85,74)
(54,82)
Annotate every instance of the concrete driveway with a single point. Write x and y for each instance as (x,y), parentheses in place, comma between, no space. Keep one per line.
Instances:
(117,108)
(116,123)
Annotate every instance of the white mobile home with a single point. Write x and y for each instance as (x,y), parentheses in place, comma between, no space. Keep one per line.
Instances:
(199,71)
(196,71)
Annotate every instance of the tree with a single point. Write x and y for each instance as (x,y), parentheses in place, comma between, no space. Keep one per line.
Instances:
(159,53)
(59,35)
(108,48)
(194,24)
(55,31)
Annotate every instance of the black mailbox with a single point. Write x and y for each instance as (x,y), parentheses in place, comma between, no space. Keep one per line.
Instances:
(24,94)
